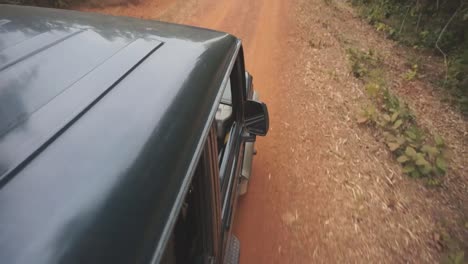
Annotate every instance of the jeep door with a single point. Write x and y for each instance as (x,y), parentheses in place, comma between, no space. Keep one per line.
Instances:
(231,146)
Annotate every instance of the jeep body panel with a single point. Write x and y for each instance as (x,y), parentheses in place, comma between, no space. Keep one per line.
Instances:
(102,123)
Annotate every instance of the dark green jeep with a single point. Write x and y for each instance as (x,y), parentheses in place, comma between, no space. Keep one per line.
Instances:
(121,140)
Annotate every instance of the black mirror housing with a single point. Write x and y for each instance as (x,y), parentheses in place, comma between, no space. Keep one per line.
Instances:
(256,118)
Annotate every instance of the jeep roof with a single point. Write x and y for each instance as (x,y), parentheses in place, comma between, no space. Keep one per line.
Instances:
(102,121)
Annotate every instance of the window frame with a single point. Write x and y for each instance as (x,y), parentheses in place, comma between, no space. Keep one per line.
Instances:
(231,165)
(238,95)
(208,198)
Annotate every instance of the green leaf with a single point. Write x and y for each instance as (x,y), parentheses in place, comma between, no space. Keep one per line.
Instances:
(411,134)
(372,89)
(393,146)
(387,118)
(426,170)
(389,137)
(421,161)
(397,124)
(408,169)
(381,123)
(400,140)
(403,159)
(410,152)
(439,141)
(395,116)
(415,174)
(432,151)
(441,164)
(411,74)
(434,182)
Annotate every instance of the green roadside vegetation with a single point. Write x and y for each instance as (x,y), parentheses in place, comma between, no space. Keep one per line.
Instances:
(420,154)
(440,27)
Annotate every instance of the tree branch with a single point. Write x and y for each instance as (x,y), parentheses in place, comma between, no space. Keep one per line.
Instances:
(419,20)
(440,37)
(404,20)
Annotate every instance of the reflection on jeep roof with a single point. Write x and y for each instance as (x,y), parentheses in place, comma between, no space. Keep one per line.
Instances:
(26,69)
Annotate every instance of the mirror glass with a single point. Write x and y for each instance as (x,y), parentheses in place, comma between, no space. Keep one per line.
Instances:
(256,118)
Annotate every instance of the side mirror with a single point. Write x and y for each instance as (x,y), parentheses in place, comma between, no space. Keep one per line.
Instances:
(256,118)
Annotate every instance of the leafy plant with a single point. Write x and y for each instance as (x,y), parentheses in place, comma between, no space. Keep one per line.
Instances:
(453,247)
(362,62)
(419,155)
(455,255)
(388,30)
(412,73)
(455,258)
(457,80)
(369,114)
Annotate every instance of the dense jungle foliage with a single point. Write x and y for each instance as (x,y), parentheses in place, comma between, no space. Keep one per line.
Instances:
(437,25)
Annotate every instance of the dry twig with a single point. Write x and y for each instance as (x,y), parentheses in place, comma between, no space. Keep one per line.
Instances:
(440,36)
(404,20)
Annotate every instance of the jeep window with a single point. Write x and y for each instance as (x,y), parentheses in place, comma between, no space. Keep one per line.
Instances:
(228,122)
(195,236)
(224,119)
(227,95)
(186,241)
(230,145)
